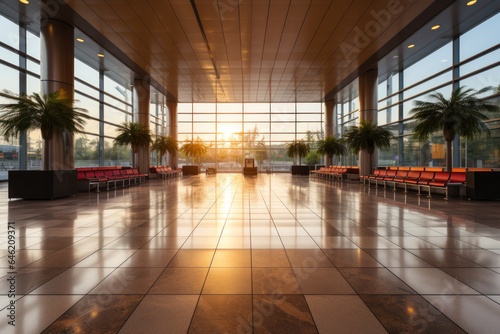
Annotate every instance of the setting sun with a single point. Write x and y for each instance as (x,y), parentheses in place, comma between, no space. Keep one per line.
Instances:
(228,129)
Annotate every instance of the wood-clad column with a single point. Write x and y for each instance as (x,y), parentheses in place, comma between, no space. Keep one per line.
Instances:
(329,129)
(57,53)
(173,132)
(141,115)
(368,107)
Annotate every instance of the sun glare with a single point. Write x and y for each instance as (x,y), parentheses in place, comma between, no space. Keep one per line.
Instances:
(228,129)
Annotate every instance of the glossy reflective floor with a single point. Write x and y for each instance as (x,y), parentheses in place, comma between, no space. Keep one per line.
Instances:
(265,254)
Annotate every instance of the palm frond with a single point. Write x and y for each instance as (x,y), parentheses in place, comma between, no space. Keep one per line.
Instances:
(194,148)
(367,136)
(463,114)
(134,134)
(51,112)
(330,146)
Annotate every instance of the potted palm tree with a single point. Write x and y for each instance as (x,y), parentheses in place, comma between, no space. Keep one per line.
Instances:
(163,144)
(55,115)
(330,146)
(135,135)
(300,149)
(462,114)
(194,149)
(367,136)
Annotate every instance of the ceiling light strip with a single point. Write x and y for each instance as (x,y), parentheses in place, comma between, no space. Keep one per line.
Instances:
(195,10)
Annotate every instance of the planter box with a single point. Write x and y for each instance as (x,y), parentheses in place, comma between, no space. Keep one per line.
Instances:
(300,170)
(190,170)
(250,171)
(482,185)
(42,184)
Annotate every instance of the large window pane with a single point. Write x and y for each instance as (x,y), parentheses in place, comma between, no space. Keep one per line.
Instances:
(257,108)
(9,56)
(282,108)
(9,80)
(35,149)
(32,85)
(229,117)
(489,78)
(33,45)
(87,103)
(86,151)
(199,117)
(229,108)
(117,90)
(480,38)
(433,63)
(10,32)
(282,117)
(116,155)
(204,108)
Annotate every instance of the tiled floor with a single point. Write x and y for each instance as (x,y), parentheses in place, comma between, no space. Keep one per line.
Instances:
(266,254)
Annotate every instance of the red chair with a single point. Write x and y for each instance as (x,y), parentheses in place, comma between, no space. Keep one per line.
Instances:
(400,177)
(94,180)
(110,175)
(389,176)
(412,178)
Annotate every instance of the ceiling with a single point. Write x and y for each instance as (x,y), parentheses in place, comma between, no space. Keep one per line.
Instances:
(248,50)
(277,50)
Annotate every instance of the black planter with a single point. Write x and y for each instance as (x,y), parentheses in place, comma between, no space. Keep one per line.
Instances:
(190,170)
(42,184)
(300,170)
(250,171)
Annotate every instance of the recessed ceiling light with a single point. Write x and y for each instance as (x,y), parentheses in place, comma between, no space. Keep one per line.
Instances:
(100,55)
(354,85)
(437,26)
(411,46)
(24,1)
(80,40)
(444,60)
(470,3)
(395,57)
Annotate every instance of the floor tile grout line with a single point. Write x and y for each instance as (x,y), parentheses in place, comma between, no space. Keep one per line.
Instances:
(288,259)
(100,283)
(416,293)
(352,287)
(213,256)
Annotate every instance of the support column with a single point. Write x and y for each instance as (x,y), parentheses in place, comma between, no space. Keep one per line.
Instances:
(368,107)
(57,54)
(172,132)
(329,131)
(141,110)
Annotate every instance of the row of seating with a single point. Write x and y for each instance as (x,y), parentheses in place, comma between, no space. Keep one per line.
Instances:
(165,171)
(89,177)
(336,172)
(420,177)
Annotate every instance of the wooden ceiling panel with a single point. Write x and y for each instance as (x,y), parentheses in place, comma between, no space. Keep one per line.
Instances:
(306,47)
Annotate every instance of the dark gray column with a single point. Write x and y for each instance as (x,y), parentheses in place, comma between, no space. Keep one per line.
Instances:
(141,110)
(329,131)
(368,107)
(57,72)
(172,132)
(23,137)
